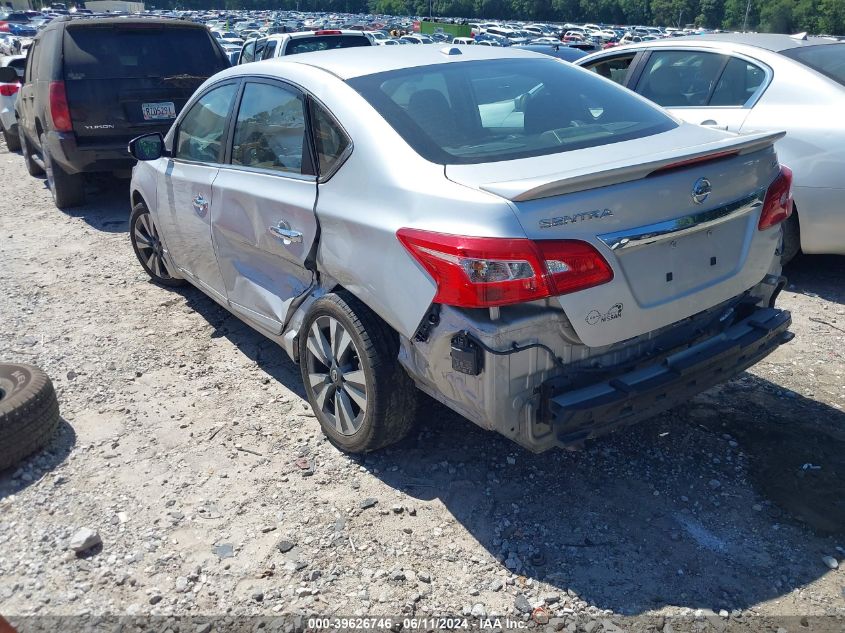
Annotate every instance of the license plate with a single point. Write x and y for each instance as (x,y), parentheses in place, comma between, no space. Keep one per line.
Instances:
(157,111)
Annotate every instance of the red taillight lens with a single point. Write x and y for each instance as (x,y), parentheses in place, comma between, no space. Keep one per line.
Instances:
(7,90)
(328,32)
(479,272)
(777,205)
(59,111)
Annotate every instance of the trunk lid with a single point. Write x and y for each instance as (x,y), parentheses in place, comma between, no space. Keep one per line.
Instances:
(123,81)
(672,257)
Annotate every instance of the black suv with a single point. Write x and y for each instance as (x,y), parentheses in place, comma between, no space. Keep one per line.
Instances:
(93,84)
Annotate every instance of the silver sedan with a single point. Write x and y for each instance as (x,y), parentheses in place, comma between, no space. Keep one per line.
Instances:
(753,82)
(541,250)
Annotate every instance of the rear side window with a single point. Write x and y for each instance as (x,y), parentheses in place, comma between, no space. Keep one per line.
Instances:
(127,53)
(828,59)
(680,78)
(485,111)
(329,139)
(270,130)
(738,83)
(324,43)
(270,49)
(200,136)
(248,54)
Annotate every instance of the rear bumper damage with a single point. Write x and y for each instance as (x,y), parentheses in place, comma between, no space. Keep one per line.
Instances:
(630,397)
(524,373)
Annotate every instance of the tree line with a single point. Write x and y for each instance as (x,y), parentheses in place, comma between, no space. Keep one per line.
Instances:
(778,16)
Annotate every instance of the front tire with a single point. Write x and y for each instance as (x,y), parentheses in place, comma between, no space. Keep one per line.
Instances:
(68,189)
(148,247)
(359,392)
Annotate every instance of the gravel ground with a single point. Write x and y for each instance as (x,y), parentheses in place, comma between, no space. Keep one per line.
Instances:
(187,446)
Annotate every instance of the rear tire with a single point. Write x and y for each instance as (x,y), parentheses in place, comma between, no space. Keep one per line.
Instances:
(357,389)
(13,141)
(791,239)
(68,189)
(29,412)
(32,167)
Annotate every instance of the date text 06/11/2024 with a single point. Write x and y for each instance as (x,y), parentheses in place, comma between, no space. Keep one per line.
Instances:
(418,624)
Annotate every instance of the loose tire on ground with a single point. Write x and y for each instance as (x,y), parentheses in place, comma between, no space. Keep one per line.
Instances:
(29,412)
(148,247)
(68,189)
(371,360)
(33,168)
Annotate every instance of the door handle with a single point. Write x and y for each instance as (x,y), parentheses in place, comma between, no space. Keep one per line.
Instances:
(200,205)
(288,236)
(714,124)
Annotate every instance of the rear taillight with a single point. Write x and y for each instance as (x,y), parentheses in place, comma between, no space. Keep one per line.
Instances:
(328,32)
(480,272)
(777,206)
(7,90)
(59,111)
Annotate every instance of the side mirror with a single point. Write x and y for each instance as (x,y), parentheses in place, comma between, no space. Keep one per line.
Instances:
(8,75)
(147,147)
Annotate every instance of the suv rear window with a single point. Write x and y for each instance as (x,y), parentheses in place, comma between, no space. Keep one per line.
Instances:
(828,59)
(487,111)
(128,53)
(324,43)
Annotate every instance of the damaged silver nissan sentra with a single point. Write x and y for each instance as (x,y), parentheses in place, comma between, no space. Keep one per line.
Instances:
(539,249)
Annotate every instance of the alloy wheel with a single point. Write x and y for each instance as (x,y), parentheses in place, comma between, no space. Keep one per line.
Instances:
(335,375)
(149,246)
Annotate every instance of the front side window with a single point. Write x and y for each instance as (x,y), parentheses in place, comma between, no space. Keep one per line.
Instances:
(615,68)
(493,110)
(270,129)
(201,132)
(248,53)
(680,78)
(329,140)
(270,49)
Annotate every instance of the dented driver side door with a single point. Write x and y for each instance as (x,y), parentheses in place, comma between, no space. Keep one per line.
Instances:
(263,221)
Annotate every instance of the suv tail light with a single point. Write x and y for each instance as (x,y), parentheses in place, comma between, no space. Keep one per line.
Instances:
(480,272)
(777,206)
(59,111)
(328,32)
(7,90)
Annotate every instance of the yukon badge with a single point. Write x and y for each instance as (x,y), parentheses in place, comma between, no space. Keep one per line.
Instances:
(598,214)
(701,190)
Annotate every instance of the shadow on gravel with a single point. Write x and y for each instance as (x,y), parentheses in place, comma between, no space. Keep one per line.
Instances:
(656,514)
(255,346)
(107,204)
(819,275)
(39,464)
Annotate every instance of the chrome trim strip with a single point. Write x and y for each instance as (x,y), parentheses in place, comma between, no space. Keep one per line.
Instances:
(640,236)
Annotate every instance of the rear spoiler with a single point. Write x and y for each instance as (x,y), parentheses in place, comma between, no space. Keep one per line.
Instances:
(580,178)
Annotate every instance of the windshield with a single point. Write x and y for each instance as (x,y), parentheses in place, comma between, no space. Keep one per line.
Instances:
(129,53)
(486,111)
(828,59)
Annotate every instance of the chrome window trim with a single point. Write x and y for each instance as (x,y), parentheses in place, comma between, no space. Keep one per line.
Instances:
(631,239)
(268,172)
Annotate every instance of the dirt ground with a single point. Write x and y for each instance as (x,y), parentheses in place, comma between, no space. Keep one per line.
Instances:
(187,445)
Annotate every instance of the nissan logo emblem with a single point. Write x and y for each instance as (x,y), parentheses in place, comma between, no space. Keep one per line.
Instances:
(701,190)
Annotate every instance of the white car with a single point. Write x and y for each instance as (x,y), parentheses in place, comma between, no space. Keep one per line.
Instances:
(8,96)
(757,82)
(467,41)
(282,44)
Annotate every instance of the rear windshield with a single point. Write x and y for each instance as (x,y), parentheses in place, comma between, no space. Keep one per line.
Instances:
(324,43)
(129,53)
(828,59)
(486,111)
